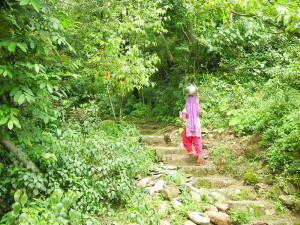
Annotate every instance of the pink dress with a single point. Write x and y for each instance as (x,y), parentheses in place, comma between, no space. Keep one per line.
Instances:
(188,138)
(183,116)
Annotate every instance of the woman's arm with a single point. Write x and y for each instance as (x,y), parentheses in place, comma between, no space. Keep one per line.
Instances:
(182,115)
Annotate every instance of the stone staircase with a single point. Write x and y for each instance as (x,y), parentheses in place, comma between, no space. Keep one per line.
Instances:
(207,176)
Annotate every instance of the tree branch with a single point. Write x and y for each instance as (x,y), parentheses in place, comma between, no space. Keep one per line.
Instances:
(27,163)
(241,14)
(185,34)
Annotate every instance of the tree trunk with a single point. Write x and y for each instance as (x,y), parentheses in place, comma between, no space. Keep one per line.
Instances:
(169,54)
(21,157)
(191,33)
(111,105)
(143,96)
(121,103)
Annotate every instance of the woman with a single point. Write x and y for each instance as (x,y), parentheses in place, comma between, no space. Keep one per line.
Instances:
(192,129)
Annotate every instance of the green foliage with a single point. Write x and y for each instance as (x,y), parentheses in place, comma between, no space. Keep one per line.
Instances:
(95,161)
(241,215)
(251,178)
(176,177)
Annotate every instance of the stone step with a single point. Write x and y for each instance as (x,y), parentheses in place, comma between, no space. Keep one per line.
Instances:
(199,171)
(147,131)
(177,159)
(154,140)
(212,182)
(237,192)
(263,206)
(169,150)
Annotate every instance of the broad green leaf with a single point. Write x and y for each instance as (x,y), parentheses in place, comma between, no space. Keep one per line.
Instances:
(10,125)
(23,2)
(36,191)
(37,68)
(36,5)
(66,202)
(24,199)
(17,195)
(21,99)
(12,46)
(22,217)
(53,199)
(3,120)
(47,155)
(74,215)
(16,207)
(22,46)
(59,206)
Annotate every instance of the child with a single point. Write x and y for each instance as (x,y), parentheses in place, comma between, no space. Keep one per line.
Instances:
(192,128)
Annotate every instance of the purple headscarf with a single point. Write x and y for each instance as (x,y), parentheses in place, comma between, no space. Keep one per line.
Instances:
(192,108)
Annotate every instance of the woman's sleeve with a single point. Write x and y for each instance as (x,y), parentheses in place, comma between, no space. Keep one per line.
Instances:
(182,115)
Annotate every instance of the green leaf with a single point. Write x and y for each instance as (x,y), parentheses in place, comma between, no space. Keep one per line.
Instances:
(74,215)
(24,199)
(21,99)
(17,195)
(66,202)
(12,46)
(36,191)
(37,68)
(59,206)
(36,5)
(234,122)
(23,2)
(3,120)
(53,199)
(16,207)
(23,217)
(22,46)
(47,155)
(10,125)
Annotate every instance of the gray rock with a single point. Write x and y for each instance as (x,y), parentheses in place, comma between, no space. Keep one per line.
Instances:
(212,208)
(157,176)
(157,187)
(176,204)
(195,196)
(286,200)
(217,196)
(199,218)
(188,222)
(168,167)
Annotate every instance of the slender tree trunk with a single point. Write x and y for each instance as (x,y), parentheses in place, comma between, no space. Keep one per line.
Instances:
(191,33)
(169,54)
(111,105)
(143,96)
(21,157)
(121,103)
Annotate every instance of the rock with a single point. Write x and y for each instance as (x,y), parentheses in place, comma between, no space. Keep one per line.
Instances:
(217,196)
(165,221)
(195,196)
(157,187)
(199,218)
(188,222)
(237,192)
(212,208)
(169,167)
(176,204)
(151,183)
(286,200)
(170,192)
(218,218)
(143,182)
(222,207)
(156,177)
(188,176)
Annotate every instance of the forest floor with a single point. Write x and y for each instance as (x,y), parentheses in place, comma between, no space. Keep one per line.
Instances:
(232,185)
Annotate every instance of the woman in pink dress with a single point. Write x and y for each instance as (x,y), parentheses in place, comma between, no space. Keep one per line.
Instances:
(192,128)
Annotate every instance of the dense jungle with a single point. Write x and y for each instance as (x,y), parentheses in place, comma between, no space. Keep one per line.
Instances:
(84,84)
